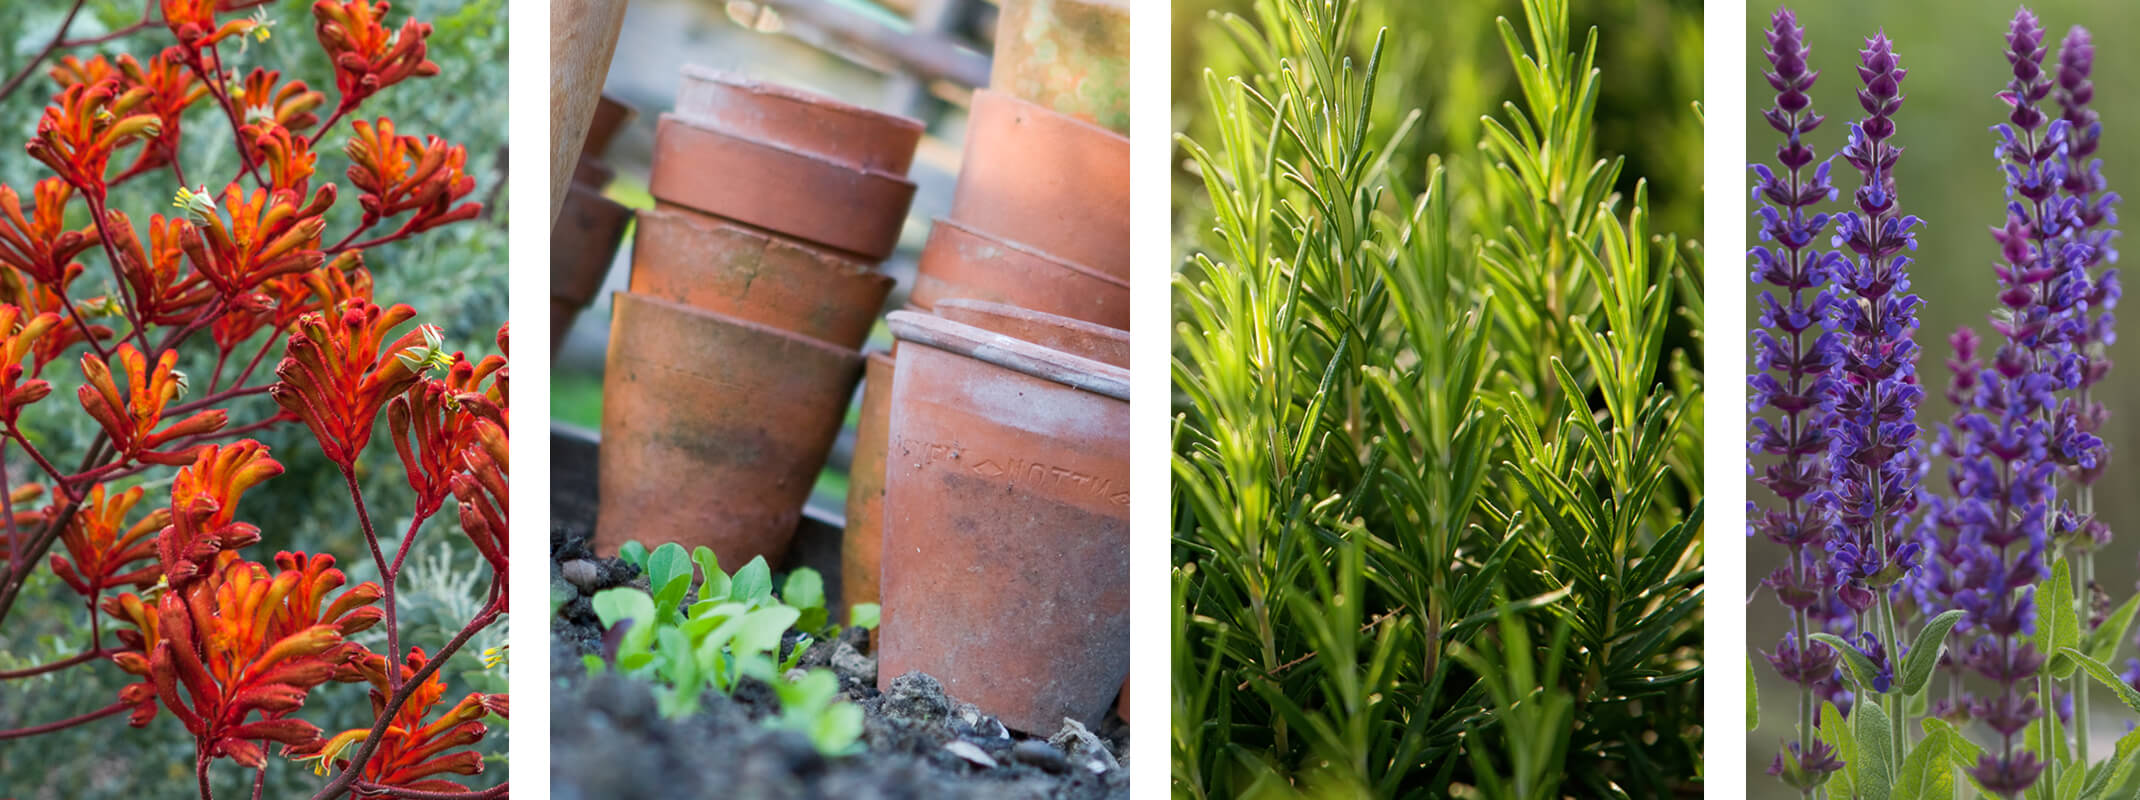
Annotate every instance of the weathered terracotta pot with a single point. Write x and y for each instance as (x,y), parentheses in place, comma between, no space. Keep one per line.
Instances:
(1068,55)
(962,262)
(713,429)
(1076,337)
(583,242)
(1006,527)
(1047,181)
(778,188)
(862,544)
(593,173)
(840,132)
(715,265)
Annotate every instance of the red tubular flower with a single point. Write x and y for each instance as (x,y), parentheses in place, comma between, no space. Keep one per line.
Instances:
(101,546)
(268,235)
(165,292)
(86,124)
(482,492)
(245,640)
(70,70)
(338,370)
(289,105)
(401,173)
(131,419)
(204,507)
(441,428)
(193,22)
(282,301)
(40,244)
(368,57)
(19,337)
(412,752)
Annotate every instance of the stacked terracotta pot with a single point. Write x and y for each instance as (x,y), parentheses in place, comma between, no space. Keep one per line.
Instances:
(589,226)
(989,497)
(734,353)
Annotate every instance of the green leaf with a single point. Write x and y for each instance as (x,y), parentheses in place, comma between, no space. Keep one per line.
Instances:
(805,590)
(634,554)
(2061,626)
(2103,642)
(2112,775)
(865,616)
(619,604)
(1925,772)
(715,581)
(1860,668)
(667,562)
(595,664)
(761,630)
(1753,700)
(1836,732)
(669,600)
(2106,676)
(1876,771)
(1924,653)
(753,583)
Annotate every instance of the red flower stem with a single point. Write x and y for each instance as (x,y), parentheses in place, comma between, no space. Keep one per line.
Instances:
(58,478)
(36,730)
(55,666)
(11,588)
(317,135)
(213,79)
(218,397)
(260,782)
(7,506)
(406,540)
(200,767)
(386,577)
(15,81)
(369,788)
(346,777)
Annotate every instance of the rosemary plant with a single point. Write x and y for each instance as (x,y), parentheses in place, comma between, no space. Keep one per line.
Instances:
(1437,516)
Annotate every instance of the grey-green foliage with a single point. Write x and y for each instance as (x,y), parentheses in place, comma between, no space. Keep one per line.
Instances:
(1436,497)
(454,276)
(733,630)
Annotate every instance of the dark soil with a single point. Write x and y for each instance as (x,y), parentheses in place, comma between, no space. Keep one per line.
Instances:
(608,740)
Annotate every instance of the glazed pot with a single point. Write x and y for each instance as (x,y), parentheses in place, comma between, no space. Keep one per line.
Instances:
(960,262)
(839,132)
(715,265)
(713,429)
(1006,527)
(779,188)
(583,242)
(1068,55)
(1046,181)
(862,544)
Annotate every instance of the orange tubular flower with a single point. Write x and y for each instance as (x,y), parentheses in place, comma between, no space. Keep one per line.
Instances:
(282,301)
(193,22)
(131,419)
(171,89)
(338,370)
(268,235)
(40,244)
(19,337)
(165,292)
(442,428)
(288,157)
(289,105)
(482,492)
(401,173)
(412,752)
(101,546)
(368,57)
(86,124)
(245,640)
(71,70)
(204,507)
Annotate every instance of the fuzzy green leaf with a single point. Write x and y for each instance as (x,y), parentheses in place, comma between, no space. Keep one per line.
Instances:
(1753,699)
(2060,629)
(1925,772)
(2103,642)
(1924,653)
(1876,768)
(1836,732)
(1859,667)
(2106,676)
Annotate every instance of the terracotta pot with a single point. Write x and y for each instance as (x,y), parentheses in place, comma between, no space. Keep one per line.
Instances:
(583,242)
(1075,337)
(1046,181)
(963,262)
(862,545)
(593,173)
(610,116)
(715,265)
(839,132)
(713,429)
(1068,55)
(1006,528)
(779,188)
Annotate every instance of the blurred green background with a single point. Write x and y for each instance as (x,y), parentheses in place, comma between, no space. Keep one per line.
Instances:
(1953,50)
(1446,59)
(454,277)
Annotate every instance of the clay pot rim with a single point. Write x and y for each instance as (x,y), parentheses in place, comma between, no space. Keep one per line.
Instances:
(713,127)
(664,210)
(1056,116)
(1076,326)
(704,317)
(785,92)
(973,230)
(1010,353)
